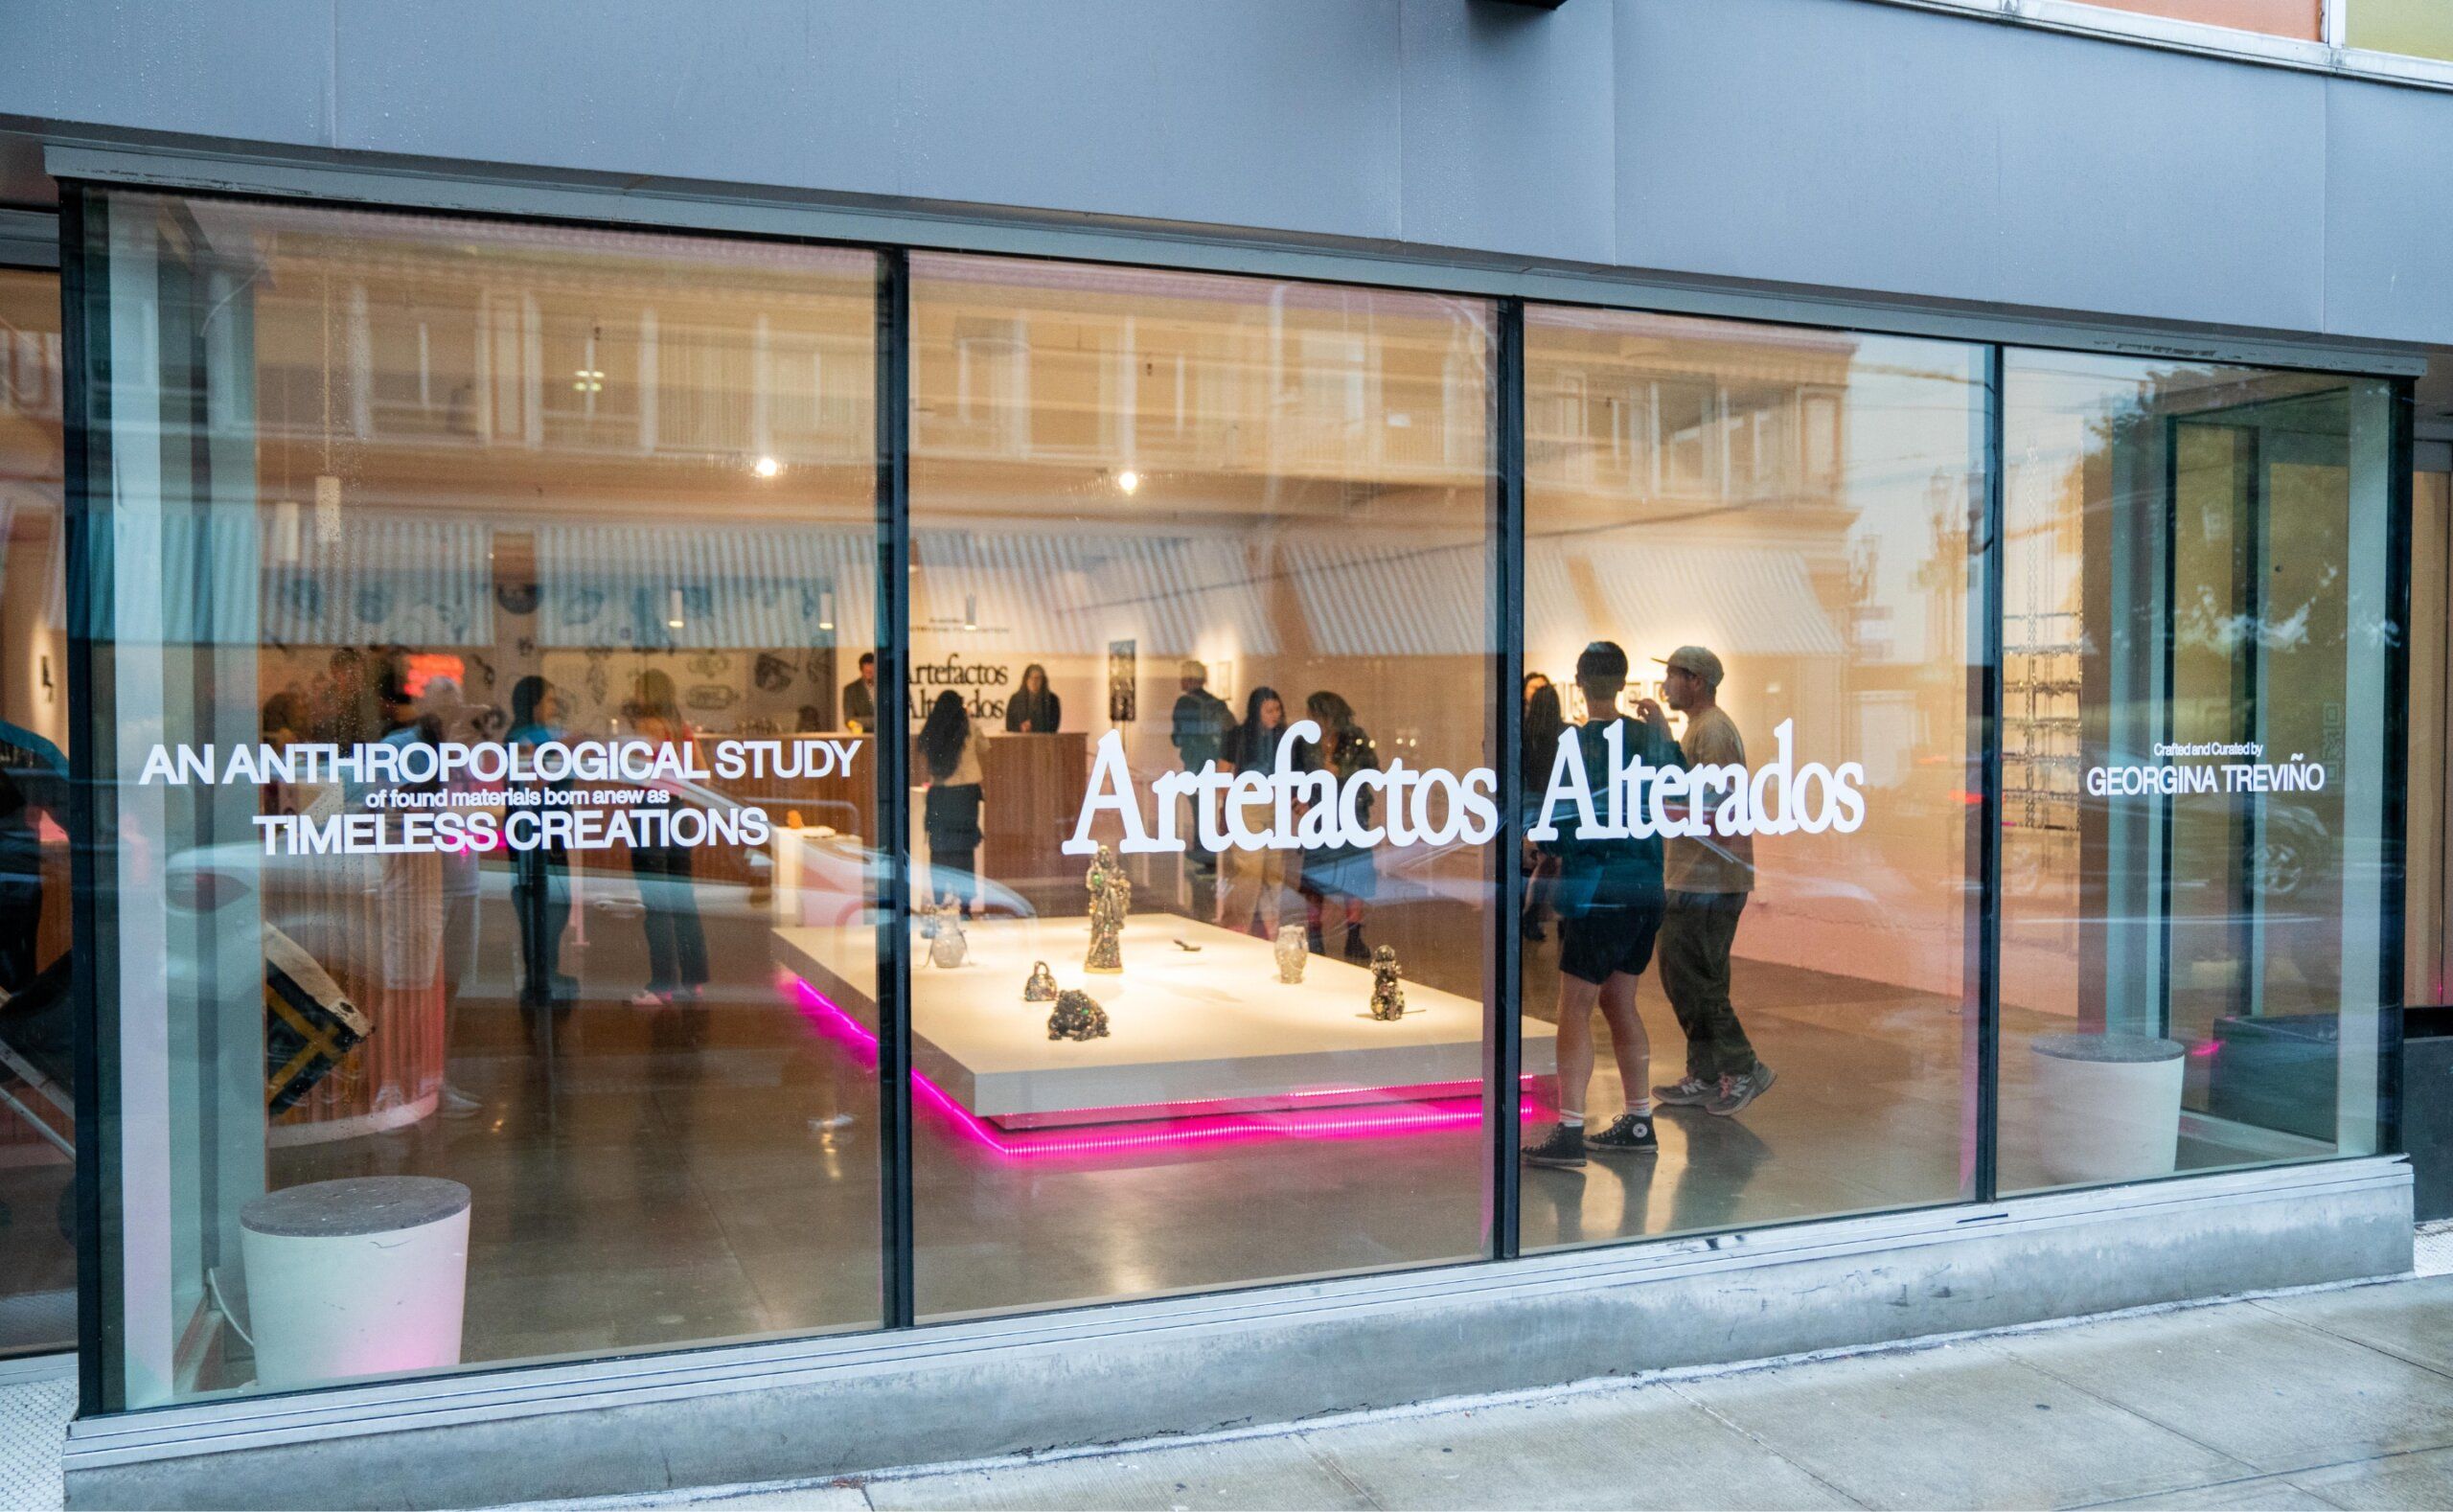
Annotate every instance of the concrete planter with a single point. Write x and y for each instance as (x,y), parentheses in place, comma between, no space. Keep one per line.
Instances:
(355,1277)
(2108,1106)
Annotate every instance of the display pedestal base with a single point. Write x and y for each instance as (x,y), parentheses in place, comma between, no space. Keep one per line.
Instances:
(1194,1032)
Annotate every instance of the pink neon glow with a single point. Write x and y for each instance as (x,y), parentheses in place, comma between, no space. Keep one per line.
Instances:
(1206,1128)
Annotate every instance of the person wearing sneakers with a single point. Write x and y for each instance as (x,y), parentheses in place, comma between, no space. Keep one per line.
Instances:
(1609,902)
(1709,879)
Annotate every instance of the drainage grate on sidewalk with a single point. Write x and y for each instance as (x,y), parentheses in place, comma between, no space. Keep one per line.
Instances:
(37,1399)
(2432,1251)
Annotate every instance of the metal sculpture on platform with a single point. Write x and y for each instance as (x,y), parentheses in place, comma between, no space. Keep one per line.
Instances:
(1387,998)
(1111,897)
(948,945)
(1077,1016)
(1292,953)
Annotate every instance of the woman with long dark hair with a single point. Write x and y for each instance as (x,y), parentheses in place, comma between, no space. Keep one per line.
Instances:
(1342,874)
(951,813)
(1253,896)
(677,943)
(1033,710)
(1545,725)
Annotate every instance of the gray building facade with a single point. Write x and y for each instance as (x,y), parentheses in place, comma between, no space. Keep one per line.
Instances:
(643,409)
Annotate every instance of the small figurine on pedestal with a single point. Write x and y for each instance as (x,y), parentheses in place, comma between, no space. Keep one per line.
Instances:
(1110,895)
(948,948)
(1291,954)
(1387,998)
(1041,987)
(1077,1016)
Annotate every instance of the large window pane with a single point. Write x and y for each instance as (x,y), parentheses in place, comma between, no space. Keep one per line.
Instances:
(37,1242)
(2195,653)
(1748,547)
(1204,511)
(472,607)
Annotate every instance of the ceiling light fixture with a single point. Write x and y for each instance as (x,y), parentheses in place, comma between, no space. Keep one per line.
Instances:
(1129,480)
(766,467)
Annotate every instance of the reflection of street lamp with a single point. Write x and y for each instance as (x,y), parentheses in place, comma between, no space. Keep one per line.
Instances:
(1129,480)
(673,617)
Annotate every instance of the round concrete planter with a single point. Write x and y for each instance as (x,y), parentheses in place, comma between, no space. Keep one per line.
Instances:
(355,1277)
(2107,1106)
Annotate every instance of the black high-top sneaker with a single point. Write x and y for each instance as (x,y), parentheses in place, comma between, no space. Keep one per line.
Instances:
(1629,1134)
(1565,1147)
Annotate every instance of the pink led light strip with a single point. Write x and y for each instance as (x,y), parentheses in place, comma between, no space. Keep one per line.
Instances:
(1179,1133)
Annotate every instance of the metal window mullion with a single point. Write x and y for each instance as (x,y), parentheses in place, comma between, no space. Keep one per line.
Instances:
(1502,1035)
(2393,841)
(1990,608)
(86,415)
(893,797)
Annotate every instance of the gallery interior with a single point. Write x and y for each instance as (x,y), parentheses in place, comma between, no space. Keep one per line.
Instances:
(424,480)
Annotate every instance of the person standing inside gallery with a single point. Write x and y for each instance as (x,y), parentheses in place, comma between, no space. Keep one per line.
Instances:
(1610,904)
(676,941)
(1709,879)
(1545,727)
(1254,882)
(541,886)
(860,696)
(1033,709)
(1200,726)
(950,815)
(449,715)
(1339,876)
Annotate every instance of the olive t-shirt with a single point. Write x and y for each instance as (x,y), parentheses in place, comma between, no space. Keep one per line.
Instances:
(1725,862)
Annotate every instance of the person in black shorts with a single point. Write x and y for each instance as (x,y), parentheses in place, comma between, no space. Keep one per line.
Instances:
(1610,903)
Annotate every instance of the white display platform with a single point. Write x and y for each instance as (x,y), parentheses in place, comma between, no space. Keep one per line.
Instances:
(1213,1028)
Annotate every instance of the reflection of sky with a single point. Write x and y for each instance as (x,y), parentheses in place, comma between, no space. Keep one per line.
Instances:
(1914,416)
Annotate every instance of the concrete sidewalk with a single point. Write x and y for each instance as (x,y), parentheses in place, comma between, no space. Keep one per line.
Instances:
(2340,1398)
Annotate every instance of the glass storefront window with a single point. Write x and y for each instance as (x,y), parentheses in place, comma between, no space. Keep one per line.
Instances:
(1748,587)
(473,628)
(1201,574)
(2196,873)
(483,624)
(38,1235)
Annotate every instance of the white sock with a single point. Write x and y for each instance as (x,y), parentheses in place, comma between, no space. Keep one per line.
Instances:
(1569,1120)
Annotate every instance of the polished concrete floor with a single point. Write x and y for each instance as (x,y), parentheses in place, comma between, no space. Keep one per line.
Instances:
(672,1175)
(2324,1399)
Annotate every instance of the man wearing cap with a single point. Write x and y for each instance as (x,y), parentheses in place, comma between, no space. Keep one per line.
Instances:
(1709,879)
(1609,902)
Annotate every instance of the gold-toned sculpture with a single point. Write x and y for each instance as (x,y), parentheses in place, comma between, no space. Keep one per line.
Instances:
(1387,998)
(1077,1016)
(1110,896)
(1041,987)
